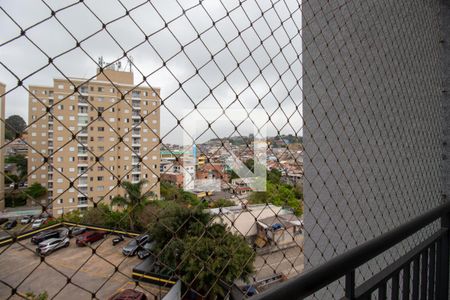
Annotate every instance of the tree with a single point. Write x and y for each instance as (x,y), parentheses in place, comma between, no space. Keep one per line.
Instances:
(216,258)
(35,191)
(15,125)
(11,178)
(278,194)
(15,199)
(21,162)
(172,192)
(199,251)
(134,200)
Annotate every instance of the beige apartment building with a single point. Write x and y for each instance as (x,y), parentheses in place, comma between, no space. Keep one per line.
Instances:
(2,143)
(93,136)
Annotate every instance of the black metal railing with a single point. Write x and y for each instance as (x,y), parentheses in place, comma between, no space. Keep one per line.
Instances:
(423,271)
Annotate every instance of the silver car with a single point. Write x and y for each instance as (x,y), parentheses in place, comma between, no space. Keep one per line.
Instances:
(50,245)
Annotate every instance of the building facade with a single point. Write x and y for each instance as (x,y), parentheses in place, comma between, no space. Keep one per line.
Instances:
(85,140)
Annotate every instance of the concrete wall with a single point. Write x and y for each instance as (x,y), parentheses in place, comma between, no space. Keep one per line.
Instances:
(372,112)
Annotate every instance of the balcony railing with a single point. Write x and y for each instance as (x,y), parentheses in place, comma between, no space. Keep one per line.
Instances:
(430,262)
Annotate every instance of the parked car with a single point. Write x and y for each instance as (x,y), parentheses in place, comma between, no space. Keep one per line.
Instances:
(89,237)
(37,223)
(75,231)
(48,246)
(146,250)
(10,224)
(128,294)
(134,245)
(49,234)
(249,290)
(117,240)
(26,219)
(3,220)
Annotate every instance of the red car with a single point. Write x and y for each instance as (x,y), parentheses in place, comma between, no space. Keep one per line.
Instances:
(89,237)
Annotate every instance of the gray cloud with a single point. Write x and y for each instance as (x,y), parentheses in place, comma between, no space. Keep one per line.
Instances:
(222,41)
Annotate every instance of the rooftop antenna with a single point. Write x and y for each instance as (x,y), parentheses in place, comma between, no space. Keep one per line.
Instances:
(129,63)
(101,62)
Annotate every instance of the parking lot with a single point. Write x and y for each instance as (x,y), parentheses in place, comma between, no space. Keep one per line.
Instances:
(90,268)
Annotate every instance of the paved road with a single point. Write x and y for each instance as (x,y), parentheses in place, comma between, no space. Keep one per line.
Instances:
(95,272)
(288,262)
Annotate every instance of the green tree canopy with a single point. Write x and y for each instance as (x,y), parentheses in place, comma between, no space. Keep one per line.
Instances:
(172,192)
(194,248)
(21,162)
(278,194)
(15,125)
(35,191)
(134,200)
(222,203)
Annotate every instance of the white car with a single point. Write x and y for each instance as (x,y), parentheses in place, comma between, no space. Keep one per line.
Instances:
(50,245)
(37,223)
(26,220)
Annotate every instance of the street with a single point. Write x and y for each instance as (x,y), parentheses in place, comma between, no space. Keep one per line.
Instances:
(288,262)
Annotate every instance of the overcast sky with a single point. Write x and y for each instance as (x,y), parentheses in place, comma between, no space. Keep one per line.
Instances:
(262,40)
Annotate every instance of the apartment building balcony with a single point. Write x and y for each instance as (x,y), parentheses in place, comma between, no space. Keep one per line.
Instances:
(84,90)
(83,189)
(82,140)
(82,170)
(83,133)
(136,170)
(136,104)
(135,114)
(136,95)
(135,178)
(83,161)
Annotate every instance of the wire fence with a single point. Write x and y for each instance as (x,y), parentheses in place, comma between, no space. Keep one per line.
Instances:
(145,122)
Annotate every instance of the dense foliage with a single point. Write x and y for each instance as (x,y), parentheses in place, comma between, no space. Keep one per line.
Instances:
(172,192)
(134,200)
(200,252)
(15,199)
(279,194)
(21,162)
(188,244)
(35,191)
(15,126)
